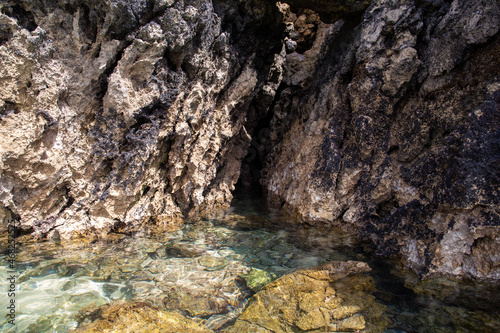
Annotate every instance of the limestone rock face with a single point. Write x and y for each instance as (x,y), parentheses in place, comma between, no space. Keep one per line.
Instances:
(114,113)
(380,116)
(315,300)
(397,134)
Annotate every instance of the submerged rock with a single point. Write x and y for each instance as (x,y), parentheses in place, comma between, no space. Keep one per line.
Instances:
(198,291)
(212,263)
(184,249)
(54,287)
(258,278)
(137,317)
(315,300)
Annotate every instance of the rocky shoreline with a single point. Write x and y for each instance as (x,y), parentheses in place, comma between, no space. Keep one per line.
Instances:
(379,116)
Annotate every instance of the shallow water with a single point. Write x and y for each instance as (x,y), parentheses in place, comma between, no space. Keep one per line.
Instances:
(202,270)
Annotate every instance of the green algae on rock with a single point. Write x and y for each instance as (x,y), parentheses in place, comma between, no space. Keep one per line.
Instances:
(258,278)
(315,300)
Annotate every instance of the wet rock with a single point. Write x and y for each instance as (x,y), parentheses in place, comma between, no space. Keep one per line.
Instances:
(395,132)
(258,278)
(196,303)
(137,317)
(197,290)
(182,249)
(212,263)
(128,268)
(216,322)
(315,299)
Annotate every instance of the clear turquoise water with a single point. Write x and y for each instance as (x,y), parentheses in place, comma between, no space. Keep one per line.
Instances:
(57,280)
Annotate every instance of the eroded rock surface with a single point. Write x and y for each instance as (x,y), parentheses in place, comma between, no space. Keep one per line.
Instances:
(397,132)
(138,317)
(114,113)
(380,116)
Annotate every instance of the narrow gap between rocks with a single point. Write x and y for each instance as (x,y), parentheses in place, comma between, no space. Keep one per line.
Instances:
(254,161)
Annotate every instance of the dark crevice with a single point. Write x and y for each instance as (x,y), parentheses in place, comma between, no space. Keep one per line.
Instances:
(107,166)
(257,118)
(128,21)
(69,201)
(251,168)
(392,150)
(145,190)
(119,227)
(164,151)
(88,23)
(9,108)
(24,18)
(103,78)
(347,131)
(164,64)
(14,219)
(5,34)
(386,208)
(253,164)
(432,135)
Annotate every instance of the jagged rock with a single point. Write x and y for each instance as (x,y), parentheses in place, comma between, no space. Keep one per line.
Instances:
(395,134)
(116,113)
(331,10)
(384,118)
(315,300)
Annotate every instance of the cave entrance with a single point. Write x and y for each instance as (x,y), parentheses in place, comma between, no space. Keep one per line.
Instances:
(248,191)
(248,194)
(255,160)
(251,168)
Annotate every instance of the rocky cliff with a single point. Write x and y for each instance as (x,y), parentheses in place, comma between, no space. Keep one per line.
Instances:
(379,116)
(396,132)
(116,113)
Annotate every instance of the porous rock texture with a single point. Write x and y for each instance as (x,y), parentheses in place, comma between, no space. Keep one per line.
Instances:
(320,299)
(118,112)
(396,132)
(380,116)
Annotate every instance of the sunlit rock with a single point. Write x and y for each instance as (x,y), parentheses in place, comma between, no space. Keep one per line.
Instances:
(138,317)
(332,297)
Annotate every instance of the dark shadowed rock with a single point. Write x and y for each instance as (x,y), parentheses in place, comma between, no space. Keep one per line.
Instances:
(397,134)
